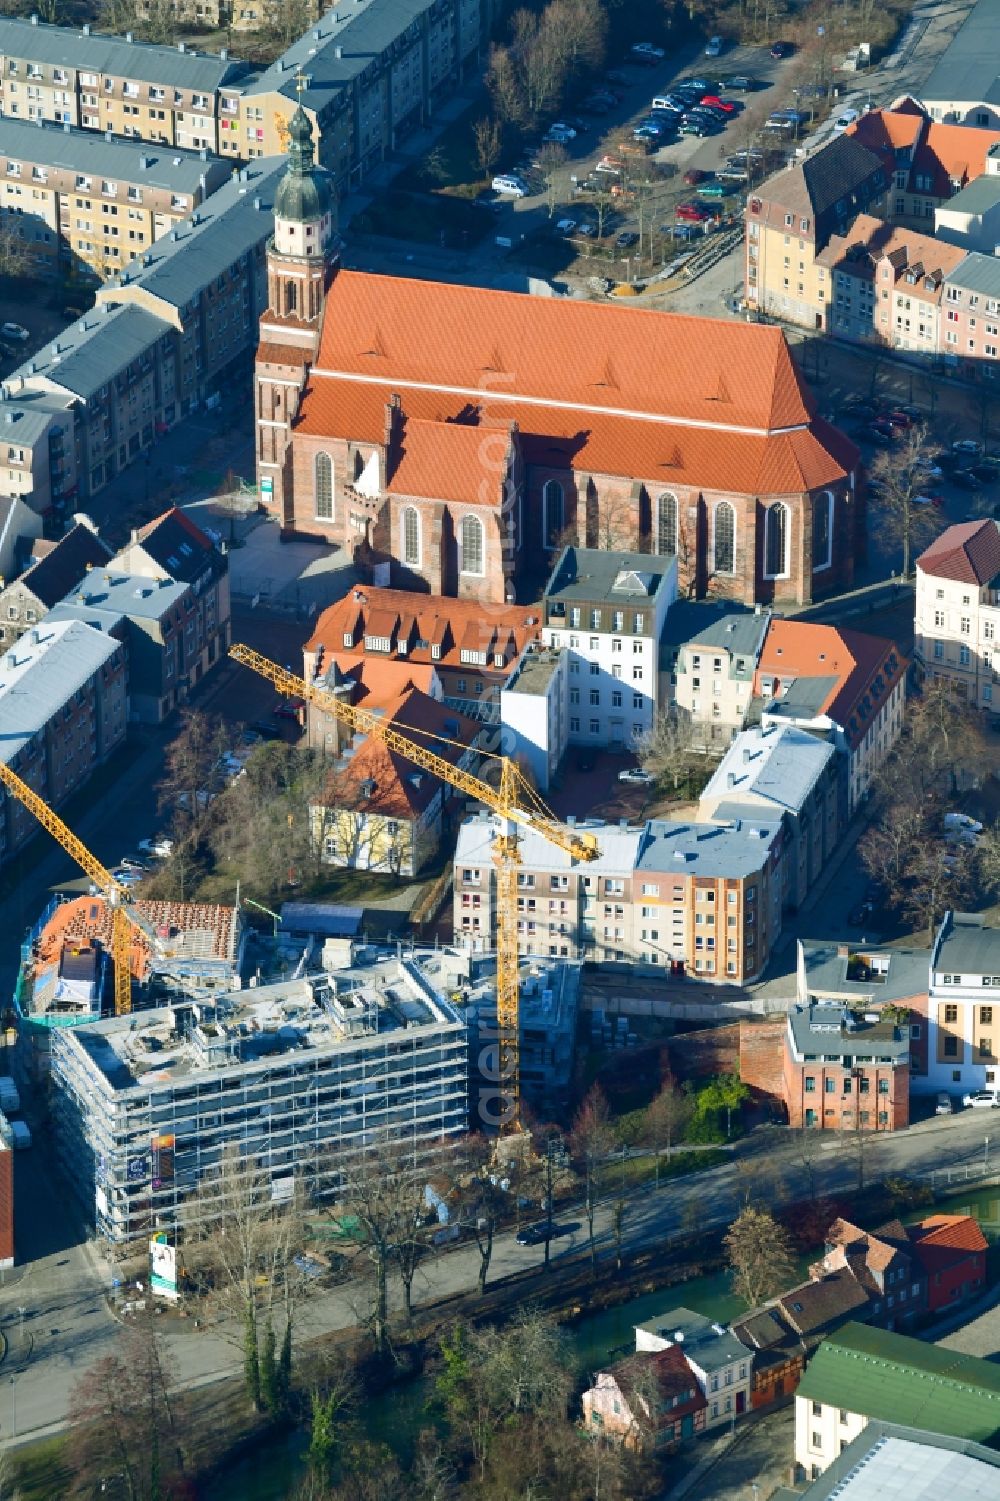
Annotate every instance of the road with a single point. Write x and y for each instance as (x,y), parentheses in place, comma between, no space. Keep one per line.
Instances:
(61,1292)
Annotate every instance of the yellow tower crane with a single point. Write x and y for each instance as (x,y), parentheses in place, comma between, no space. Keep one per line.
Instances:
(123,915)
(513,799)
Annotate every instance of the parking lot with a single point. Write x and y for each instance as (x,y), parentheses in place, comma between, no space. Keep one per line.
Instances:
(637,187)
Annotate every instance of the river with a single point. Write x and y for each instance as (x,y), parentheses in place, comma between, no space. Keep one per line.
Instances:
(271,1471)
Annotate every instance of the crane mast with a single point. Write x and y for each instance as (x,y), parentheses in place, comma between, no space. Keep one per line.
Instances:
(515,803)
(123,919)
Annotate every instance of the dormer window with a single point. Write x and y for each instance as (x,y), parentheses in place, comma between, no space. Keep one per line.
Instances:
(377,643)
(349,638)
(436,651)
(499,660)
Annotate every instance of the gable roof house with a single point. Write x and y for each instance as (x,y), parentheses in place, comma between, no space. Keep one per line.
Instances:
(718,1359)
(927,162)
(957,611)
(646,1401)
(806,204)
(379,811)
(25,601)
(873,258)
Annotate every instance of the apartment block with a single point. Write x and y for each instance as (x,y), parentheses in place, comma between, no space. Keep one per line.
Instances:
(534,713)
(963,1007)
(888,285)
(964,84)
(298,1075)
(972,218)
(606,611)
(791,218)
(927,163)
(375,70)
(84,205)
(37,451)
(844,686)
(20,538)
(970,341)
(63,710)
(700,898)
(174,96)
(163,338)
(957,621)
(846,1071)
(787,776)
(714,676)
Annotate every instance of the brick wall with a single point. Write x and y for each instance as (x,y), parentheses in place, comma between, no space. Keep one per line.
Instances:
(762,1046)
(703,1054)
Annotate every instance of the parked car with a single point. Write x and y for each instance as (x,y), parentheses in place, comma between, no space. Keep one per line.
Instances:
(636,777)
(965,479)
(960,827)
(595,107)
(741,84)
(133,862)
(987,473)
(845,120)
(565,226)
(714,102)
(859,915)
(531,1235)
(514,187)
(612,164)
(266,730)
(899,418)
(713,47)
(645,52)
(694,175)
(692,213)
(780,50)
(14,331)
(587,230)
(560,131)
(696,85)
(961,445)
(983,1099)
(126,876)
(717,190)
(876,434)
(943,1105)
(289,708)
(684,231)
(698,128)
(928,500)
(159,847)
(626,239)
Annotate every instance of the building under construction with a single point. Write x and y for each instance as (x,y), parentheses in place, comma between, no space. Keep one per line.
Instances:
(296,1076)
(65,974)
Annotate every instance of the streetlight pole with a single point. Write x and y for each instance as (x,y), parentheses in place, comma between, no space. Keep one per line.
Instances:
(13,1408)
(986,1153)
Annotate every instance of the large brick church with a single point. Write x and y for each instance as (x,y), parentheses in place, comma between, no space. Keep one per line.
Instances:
(463,435)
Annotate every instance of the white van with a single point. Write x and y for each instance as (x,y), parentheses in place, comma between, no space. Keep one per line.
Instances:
(515,186)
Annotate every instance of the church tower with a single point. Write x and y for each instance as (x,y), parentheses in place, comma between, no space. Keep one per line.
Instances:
(300,263)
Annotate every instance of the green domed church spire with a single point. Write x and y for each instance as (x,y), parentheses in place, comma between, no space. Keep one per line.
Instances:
(304,193)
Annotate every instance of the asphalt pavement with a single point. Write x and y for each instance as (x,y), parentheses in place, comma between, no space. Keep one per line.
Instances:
(62,1295)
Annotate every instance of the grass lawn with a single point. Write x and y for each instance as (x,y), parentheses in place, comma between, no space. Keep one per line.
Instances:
(451,166)
(44,1471)
(640,1167)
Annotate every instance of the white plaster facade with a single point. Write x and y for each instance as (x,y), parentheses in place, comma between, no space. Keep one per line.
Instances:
(821,1432)
(957,635)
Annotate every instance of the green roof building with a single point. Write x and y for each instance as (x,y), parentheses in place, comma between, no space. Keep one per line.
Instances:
(861,1374)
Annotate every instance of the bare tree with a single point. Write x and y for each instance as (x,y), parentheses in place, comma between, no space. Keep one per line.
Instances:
(901,473)
(483,1200)
(938,879)
(189,762)
(667,749)
(664,1121)
(487,133)
(759,1254)
(15,258)
(123,1415)
(551,157)
(591,1139)
(244,1229)
(383,1189)
(504,85)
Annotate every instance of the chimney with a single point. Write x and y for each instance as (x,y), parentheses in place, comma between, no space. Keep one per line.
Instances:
(86,28)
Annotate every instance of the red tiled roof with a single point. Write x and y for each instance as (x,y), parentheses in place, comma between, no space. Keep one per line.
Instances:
(674,1378)
(596,356)
(968,553)
(449,461)
(282,354)
(402,790)
(906,248)
(379,681)
(866,668)
(944,153)
(712,459)
(949,1232)
(89,917)
(448,622)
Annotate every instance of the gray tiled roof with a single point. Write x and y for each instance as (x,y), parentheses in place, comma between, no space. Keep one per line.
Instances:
(977,273)
(804,698)
(824,1030)
(781,764)
(590,573)
(825,970)
(119,159)
(88,354)
(981,194)
(706,849)
(686,617)
(705,1343)
(41,672)
(62,47)
(202,247)
(967,71)
(29,416)
(107,595)
(741,634)
(65,566)
(361,30)
(965,946)
(834,172)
